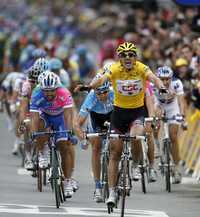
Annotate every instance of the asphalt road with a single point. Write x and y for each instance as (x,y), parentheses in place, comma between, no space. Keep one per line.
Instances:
(19,196)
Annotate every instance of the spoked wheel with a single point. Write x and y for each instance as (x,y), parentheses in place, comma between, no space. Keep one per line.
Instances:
(124,185)
(57,193)
(142,171)
(167,168)
(104,179)
(39,179)
(62,192)
(44,177)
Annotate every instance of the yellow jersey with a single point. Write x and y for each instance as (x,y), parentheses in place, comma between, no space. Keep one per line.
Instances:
(128,85)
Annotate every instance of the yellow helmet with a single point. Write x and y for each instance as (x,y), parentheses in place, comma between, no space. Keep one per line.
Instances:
(126,46)
(181,62)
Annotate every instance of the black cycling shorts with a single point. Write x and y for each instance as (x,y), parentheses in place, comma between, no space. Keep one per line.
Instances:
(122,118)
(98,120)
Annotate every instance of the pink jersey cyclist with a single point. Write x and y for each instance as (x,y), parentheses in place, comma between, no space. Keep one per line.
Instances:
(39,103)
(51,112)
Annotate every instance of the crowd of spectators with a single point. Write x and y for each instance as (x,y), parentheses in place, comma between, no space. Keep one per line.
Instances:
(85,34)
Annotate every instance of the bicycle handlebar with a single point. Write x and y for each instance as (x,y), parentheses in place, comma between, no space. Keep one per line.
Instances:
(51,133)
(164,118)
(115,135)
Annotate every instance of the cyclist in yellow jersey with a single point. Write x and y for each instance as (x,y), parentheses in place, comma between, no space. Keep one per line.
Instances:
(128,77)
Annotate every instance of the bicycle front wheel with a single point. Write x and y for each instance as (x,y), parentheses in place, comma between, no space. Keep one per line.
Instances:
(104,178)
(57,192)
(124,185)
(142,171)
(167,168)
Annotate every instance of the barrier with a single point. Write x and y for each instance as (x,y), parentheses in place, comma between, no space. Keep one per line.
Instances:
(189,142)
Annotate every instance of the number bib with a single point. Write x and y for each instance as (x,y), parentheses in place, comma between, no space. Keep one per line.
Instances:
(129,87)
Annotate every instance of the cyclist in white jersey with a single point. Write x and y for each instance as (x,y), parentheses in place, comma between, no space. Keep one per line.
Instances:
(8,92)
(172,103)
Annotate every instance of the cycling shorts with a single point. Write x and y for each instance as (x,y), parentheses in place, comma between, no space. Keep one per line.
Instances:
(57,123)
(122,118)
(98,120)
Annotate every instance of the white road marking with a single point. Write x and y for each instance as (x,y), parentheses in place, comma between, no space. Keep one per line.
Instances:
(189,180)
(22,171)
(43,210)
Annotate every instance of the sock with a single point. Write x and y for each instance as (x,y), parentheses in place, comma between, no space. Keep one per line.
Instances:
(98,184)
(112,191)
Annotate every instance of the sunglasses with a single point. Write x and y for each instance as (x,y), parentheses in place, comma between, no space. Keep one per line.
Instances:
(125,55)
(103,92)
(49,90)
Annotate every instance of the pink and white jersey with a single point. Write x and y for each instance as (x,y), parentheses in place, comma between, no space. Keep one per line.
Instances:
(39,102)
(26,89)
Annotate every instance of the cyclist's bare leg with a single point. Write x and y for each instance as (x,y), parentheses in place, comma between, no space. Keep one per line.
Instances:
(65,152)
(150,141)
(96,164)
(136,130)
(42,140)
(173,132)
(115,155)
(72,151)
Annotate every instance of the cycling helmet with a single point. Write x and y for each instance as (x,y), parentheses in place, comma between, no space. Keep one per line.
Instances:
(181,62)
(49,81)
(81,50)
(33,72)
(55,63)
(43,63)
(41,76)
(39,52)
(126,46)
(164,72)
(104,87)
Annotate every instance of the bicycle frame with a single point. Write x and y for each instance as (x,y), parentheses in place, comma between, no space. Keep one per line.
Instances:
(166,165)
(55,174)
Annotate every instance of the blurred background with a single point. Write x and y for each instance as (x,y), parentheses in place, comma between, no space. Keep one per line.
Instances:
(84,34)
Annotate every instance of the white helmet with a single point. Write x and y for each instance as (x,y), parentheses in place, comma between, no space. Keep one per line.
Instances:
(164,72)
(49,81)
(43,63)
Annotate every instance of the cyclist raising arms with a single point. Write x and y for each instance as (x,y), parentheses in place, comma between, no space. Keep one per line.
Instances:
(128,77)
(51,105)
(173,104)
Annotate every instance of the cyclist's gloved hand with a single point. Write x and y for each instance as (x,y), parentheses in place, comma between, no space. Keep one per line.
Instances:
(73,139)
(82,87)
(13,107)
(184,125)
(84,144)
(22,128)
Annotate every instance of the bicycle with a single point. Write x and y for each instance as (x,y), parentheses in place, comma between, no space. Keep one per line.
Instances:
(104,158)
(55,170)
(166,166)
(124,184)
(144,164)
